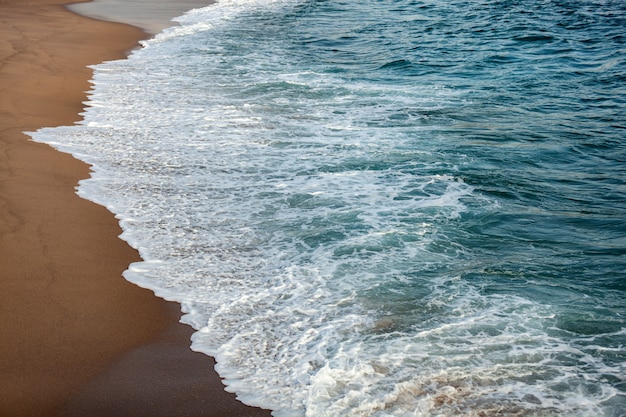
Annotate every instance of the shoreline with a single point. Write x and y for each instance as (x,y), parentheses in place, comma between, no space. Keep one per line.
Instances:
(150,16)
(72,326)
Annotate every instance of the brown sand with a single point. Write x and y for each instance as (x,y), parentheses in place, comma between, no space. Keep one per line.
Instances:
(71,328)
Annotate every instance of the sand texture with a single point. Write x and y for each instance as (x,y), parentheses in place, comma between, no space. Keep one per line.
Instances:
(71,327)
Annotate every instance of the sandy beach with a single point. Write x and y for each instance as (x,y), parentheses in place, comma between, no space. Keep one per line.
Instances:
(76,338)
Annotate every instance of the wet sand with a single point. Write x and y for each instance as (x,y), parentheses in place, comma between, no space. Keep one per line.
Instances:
(76,339)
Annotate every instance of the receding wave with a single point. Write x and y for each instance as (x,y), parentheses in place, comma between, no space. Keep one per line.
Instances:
(379,211)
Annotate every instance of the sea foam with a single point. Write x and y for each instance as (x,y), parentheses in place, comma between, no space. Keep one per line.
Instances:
(332,227)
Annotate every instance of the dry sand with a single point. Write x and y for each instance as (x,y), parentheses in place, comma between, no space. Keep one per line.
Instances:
(75,337)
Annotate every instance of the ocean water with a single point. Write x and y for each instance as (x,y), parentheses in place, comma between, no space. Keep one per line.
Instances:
(380,208)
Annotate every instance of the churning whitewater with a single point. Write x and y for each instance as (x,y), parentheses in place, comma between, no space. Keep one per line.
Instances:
(380,208)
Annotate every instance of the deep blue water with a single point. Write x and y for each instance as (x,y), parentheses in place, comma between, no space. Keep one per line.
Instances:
(381,208)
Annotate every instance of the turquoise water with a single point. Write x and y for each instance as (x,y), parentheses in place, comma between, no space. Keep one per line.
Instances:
(380,208)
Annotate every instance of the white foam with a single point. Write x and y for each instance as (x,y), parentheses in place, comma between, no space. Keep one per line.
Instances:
(293,218)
